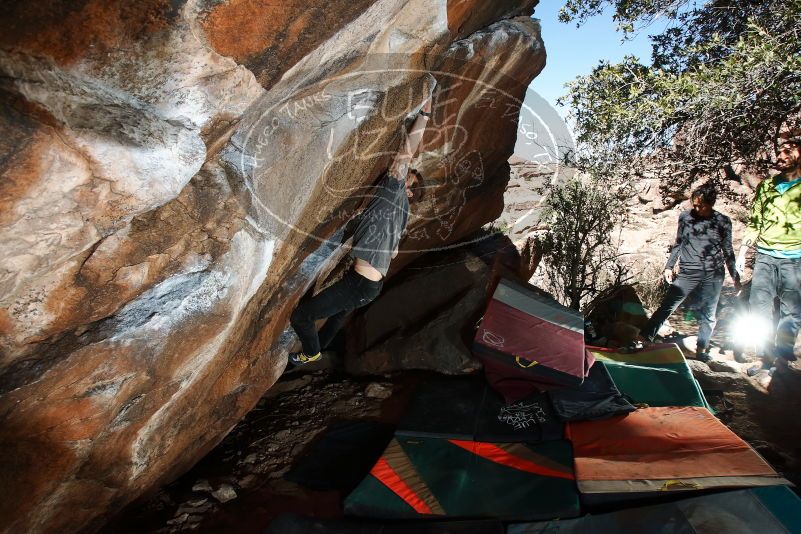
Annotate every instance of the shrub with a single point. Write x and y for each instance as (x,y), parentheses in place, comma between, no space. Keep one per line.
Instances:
(581,250)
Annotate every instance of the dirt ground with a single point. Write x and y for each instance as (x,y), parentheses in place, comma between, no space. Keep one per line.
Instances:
(239,487)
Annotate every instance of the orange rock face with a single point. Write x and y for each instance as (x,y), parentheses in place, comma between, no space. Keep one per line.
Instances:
(473,129)
(173,176)
(268,38)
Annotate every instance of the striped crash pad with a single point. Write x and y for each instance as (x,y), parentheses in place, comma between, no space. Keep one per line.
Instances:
(657,450)
(656,376)
(527,341)
(448,477)
(465,407)
(765,510)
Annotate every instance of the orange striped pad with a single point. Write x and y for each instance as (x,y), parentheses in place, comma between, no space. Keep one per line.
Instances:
(395,471)
(516,456)
(661,443)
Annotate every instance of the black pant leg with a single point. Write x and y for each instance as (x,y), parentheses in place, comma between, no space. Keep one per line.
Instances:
(678,291)
(334,303)
(334,300)
(331,328)
(364,291)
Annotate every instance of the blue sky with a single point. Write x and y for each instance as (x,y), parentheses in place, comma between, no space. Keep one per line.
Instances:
(573,51)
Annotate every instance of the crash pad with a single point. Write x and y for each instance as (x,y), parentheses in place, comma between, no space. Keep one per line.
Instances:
(529,342)
(656,376)
(461,478)
(764,510)
(660,450)
(465,407)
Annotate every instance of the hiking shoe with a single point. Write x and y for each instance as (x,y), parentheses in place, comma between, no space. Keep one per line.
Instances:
(703,357)
(298,358)
(757,368)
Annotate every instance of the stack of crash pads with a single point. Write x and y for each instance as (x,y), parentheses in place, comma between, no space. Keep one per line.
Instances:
(656,376)
(459,451)
(653,451)
(765,510)
(528,341)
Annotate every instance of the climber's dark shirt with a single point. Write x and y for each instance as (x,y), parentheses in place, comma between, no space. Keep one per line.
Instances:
(381,224)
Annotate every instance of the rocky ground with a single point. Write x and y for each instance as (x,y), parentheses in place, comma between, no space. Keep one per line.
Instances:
(239,487)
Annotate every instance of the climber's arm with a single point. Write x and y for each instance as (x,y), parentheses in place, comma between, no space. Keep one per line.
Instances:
(411,142)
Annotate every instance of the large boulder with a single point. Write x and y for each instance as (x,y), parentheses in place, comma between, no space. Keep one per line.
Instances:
(174,178)
(426,315)
(464,158)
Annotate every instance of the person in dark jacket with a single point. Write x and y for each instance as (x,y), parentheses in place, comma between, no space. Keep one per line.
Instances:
(703,246)
(375,243)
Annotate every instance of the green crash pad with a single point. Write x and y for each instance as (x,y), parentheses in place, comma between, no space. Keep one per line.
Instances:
(766,510)
(460,478)
(656,376)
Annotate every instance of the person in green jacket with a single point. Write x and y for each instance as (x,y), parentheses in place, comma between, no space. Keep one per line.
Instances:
(774,228)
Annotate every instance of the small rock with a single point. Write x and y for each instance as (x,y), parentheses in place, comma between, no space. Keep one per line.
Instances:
(180,520)
(186,508)
(194,503)
(689,343)
(247,481)
(250,458)
(225,493)
(202,485)
(279,473)
(698,366)
(666,330)
(763,378)
(202,509)
(378,391)
(724,366)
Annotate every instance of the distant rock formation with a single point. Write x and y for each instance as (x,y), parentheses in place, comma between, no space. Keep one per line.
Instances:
(171,175)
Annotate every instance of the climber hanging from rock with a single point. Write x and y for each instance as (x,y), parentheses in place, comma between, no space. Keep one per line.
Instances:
(375,242)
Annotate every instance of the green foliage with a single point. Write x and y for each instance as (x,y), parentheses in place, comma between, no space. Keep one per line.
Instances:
(724,84)
(581,259)
(626,12)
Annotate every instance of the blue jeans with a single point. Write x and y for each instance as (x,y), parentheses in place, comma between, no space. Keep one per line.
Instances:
(708,284)
(334,303)
(778,278)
